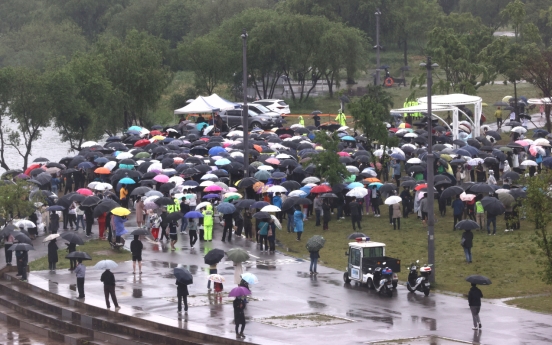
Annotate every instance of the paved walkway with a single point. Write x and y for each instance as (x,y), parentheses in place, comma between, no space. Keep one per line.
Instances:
(289,306)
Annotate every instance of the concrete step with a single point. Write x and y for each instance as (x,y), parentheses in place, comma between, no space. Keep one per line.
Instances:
(98,324)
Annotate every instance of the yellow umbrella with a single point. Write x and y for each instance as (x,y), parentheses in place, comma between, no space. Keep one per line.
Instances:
(484,105)
(446,157)
(506,99)
(120,211)
(158,137)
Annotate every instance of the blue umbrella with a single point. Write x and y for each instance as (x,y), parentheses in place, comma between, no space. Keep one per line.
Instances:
(341,134)
(190,183)
(126,180)
(55,208)
(215,151)
(354,185)
(547,162)
(262,175)
(113,138)
(85,165)
(375,184)
(462,152)
(222,161)
(226,208)
(168,140)
(193,214)
(211,196)
(278,175)
(250,278)
(397,156)
(126,166)
(471,149)
(259,204)
(305,189)
(348,138)
(101,160)
(135,128)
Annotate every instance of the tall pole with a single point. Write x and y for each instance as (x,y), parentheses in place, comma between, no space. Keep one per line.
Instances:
(430,171)
(245,109)
(378,14)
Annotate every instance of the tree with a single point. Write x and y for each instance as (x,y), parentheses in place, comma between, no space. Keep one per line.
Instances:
(538,205)
(514,14)
(371,112)
(78,94)
(327,161)
(14,201)
(172,21)
(135,67)
(25,90)
(537,70)
(487,10)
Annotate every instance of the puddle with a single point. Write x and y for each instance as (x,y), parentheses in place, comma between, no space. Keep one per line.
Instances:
(303,320)
(317,305)
(425,340)
(376,318)
(137,293)
(201,300)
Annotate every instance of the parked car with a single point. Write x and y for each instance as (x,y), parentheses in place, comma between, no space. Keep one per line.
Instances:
(262,110)
(277,105)
(234,118)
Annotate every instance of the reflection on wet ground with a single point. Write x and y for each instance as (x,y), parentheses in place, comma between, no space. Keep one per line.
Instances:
(10,335)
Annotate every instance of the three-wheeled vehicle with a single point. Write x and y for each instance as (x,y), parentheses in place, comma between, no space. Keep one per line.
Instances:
(367,264)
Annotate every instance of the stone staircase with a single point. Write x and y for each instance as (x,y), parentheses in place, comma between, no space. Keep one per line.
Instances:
(71,321)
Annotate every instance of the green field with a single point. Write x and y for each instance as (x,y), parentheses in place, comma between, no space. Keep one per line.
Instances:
(508,259)
(98,250)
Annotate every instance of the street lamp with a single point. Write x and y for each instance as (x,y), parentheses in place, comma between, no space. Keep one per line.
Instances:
(245,109)
(377,47)
(430,170)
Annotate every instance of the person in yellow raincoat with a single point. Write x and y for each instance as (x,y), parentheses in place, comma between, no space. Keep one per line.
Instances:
(208,223)
(340,118)
(301,121)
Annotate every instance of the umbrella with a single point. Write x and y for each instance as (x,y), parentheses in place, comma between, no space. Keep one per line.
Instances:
(72,237)
(315,243)
(55,208)
(328,195)
(50,237)
(270,208)
(393,200)
(493,205)
(214,256)
(217,278)
(140,191)
(164,201)
(261,215)
(21,237)
(78,255)
(451,191)
(174,216)
(321,189)
(511,175)
(479,280)
(85,191)
(105,265)
(259,204)
(193,214)
(518,193)
(237,255)
(90,201)
(183,276)
(226,208)
(467,224)
(506,199)
(21,246)
(250,278)
(311,179)
(120,211)
(239,291)
(202,205)
(139,232)
(481,187)
(356,235)
(24,223)
(358,192)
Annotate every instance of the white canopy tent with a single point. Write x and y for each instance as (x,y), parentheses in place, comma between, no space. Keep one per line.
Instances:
(540,101)
(198,106)
(221,103)
(434,108)
(456,100)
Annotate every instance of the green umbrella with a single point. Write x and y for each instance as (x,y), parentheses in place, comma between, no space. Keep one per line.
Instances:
(506,149)
(141,155)
(231,198)
(262,175)
(256,164)
(237,255)
(315,243)
(350,179)
(506,199)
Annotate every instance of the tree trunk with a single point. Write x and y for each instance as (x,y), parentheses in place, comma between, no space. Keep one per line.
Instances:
(290,88)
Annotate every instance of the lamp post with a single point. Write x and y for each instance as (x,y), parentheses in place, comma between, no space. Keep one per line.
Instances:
(430,170)
(377,47)
(245,109)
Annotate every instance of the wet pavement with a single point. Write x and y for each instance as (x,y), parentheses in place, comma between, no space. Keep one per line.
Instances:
(10,335)
(289,306)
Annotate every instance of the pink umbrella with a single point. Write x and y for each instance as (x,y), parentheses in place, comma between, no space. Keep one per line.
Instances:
(523,142)
(232,189)
(466,197)
(85,191)
(161,178)
(534,150)
(343,154)
(178,160)
(273,161)
(213,188)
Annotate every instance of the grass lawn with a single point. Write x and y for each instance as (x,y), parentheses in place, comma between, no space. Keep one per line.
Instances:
(98,250)
(539,303)
(508,259)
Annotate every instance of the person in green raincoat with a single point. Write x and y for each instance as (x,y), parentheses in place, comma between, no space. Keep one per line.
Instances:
(208,223)
(301,121)
(340,118)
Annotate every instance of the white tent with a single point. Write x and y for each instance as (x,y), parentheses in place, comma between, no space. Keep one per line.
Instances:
(198,106)
(221,103)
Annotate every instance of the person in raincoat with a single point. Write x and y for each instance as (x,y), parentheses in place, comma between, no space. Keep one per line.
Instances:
(208,223)
(301,121)
(340,118)
(298,217)
(52,255)
(120,229)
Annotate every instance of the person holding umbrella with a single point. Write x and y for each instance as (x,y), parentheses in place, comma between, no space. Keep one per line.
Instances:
(54,222)
(22,257)
(172,234)
(263,234)
(52,255)
(80,272)
(298,218)
(314,256)
(120,229)
(474,299)
(239,316)
(109,287)
(183,279)
(123,196)
(136,248)
(457,211)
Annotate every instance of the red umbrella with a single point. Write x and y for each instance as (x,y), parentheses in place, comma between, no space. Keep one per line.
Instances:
(31,168)
(85,191)
(344,154)
(393,130)
(142,143)
(272,161)
(153,133)
(420,186)
(321,189)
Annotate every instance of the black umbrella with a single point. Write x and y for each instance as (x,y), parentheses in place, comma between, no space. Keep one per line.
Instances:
(355,235)
(21,246)
(416,169)
(479,280)
(451,191)
(72,237)
(467,224)
(288,203)
(7,230)
(244,203)
(183,276)
(493,205)
(90,201)
(139,232)
(164,201)
(21,237)
(518,193)
(104,206)
(511,175)
(409,184)
(291,185)
(174,216)
(259,204)
(261,215)
(78,256)
(77,197)
(214,256)
(328,195)
(481,187)
(55,208)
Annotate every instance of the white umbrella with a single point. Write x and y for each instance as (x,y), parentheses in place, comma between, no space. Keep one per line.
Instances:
(502,190)
(209,176)
(519,130)
(392,200)
(358,192)
(311,179)
(110,165)
(103,186)
(206,183)
(296,126)
(352,169)
(24,223)
(177,180)
(50,237)
(283,156)
(155,166)
(105,265)
(378,153)
(414,161)
(298,193)
(270,208)
(529,163)
(276,222)
(475,161)
(124,155)
(202,205)
(370,172)
(265,167)
(411,135)
(88,144)
(277,189)
(93,184)
(541,142)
